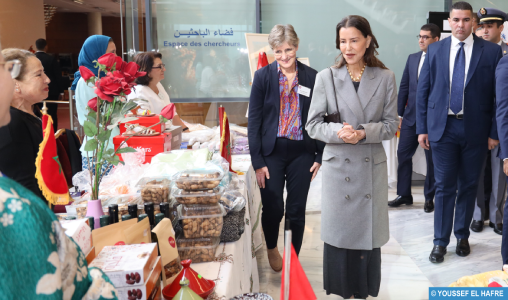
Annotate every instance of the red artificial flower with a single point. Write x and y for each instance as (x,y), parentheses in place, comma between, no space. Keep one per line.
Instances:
(86,73)
(108,60)
(119,63)
(110,86)
(92,103)
(168,111)
(131,71)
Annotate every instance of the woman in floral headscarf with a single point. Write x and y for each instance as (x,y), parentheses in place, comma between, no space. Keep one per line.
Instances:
(38,261)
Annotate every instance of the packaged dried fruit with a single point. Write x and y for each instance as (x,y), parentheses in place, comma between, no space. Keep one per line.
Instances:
(201,220)
(156,190)
(198,197)
(199,179)
(198,250)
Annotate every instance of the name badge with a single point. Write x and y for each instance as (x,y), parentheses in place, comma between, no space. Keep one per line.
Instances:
(305,91)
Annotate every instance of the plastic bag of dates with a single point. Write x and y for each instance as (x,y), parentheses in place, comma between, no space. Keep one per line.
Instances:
(198,250)
(201,220)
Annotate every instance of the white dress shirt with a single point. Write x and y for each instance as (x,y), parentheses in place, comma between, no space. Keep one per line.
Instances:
(154,102)
(468,50)
(422,59)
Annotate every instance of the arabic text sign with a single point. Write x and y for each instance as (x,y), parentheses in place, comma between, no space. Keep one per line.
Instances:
(203,33)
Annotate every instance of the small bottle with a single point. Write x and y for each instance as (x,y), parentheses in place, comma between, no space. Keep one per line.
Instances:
(91,221)
(70,218)
(104,221)
(126,217)
(149,210)
(141,217)
(133,210)
(113,213)
(164,207)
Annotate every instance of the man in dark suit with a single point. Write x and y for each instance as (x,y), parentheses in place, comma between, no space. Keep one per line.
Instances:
(454,117)
(408,141)
(502,127)
(491,207)
(52,70)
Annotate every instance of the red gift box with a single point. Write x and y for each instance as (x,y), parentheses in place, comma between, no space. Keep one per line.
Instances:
(147,122)
(152,145)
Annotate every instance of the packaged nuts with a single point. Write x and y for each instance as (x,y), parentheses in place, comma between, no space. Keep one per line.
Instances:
(201,220)
(156,191)
(172,268)
(199,250)
(198,179)
(199,197)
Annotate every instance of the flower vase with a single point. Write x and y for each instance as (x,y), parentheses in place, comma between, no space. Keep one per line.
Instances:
(94,210)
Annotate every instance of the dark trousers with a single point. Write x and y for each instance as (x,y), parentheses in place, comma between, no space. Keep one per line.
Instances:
(289,164)
(457,167)
(408,143)
(52,111)
(504,243)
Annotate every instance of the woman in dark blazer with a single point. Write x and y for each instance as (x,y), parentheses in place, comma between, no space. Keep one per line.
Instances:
(282,152)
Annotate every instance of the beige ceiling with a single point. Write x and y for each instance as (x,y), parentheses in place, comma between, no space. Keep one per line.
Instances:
(106,7)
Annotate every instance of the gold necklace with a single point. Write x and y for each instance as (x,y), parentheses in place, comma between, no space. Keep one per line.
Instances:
(357,79)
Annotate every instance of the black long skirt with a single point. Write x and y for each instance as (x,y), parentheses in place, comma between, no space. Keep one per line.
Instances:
(351,272)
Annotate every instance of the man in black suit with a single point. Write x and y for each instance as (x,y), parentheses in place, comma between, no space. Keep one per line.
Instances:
(408,142)
(52,70)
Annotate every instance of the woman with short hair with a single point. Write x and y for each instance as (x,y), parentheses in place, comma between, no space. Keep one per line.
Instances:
(149,89)
(20,140)
(282,152)
(354,214)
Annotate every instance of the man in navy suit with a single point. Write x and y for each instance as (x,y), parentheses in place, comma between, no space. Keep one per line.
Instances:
(408,141)
(455,117)
(502,127)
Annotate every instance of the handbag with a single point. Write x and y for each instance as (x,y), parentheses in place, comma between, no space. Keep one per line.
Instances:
(335,117)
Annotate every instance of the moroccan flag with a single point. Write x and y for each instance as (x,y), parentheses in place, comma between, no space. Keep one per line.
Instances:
(262,60)
(299,285)
(225,140)
(49,171)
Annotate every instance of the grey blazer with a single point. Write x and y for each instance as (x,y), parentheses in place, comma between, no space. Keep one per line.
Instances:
(355,180)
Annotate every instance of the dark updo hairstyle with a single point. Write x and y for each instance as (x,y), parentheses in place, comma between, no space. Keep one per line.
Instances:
(145,61)
(363,26)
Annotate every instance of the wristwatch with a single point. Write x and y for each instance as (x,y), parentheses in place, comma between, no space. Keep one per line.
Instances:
(186,128)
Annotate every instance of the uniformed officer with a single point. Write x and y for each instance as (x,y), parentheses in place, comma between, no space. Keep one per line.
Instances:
(492,21)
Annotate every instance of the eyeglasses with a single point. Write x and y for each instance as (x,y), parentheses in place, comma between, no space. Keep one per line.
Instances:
(424,37)
(287,51)
(13,67)
(159,67)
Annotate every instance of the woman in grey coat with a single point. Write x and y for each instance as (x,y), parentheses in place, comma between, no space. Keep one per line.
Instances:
(355,180)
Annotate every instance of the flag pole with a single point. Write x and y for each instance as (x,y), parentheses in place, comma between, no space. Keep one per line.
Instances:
(44,108)
(287,258)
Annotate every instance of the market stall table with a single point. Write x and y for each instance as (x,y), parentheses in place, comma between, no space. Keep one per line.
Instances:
(235,267)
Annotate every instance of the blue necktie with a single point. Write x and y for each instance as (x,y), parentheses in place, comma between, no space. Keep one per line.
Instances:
(459,70)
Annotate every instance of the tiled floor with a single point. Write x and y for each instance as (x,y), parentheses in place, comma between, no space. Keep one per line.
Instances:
(406,271)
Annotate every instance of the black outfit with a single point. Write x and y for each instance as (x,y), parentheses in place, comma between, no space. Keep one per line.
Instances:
(53,71)
(408,141)
(19,146)
(348,272)
(288,162)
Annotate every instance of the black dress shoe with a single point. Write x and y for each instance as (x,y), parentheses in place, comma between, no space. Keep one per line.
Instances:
(477,226)
(491,225)
(463,248)
(498,228)
(437,254)
(408,200)
(428,207)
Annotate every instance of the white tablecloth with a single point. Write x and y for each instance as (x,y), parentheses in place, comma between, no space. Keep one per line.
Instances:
(235,267)
(419,161)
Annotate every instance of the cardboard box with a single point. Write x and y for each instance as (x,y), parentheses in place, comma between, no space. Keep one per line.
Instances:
(147,122)
(152,145)
(151,290)
(80,232)
(127,265)
(90,256)
(176,133)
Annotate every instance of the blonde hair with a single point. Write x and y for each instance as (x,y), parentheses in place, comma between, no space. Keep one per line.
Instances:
(281,34)
(19,54)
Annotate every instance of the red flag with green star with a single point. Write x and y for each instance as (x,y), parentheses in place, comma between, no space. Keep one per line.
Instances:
(49,171)
(225,140)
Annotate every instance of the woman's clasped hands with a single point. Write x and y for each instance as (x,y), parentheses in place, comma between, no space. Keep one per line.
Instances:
(349,135)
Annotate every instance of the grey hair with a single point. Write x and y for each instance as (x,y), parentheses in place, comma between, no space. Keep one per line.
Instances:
(281,34)
(19,54)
